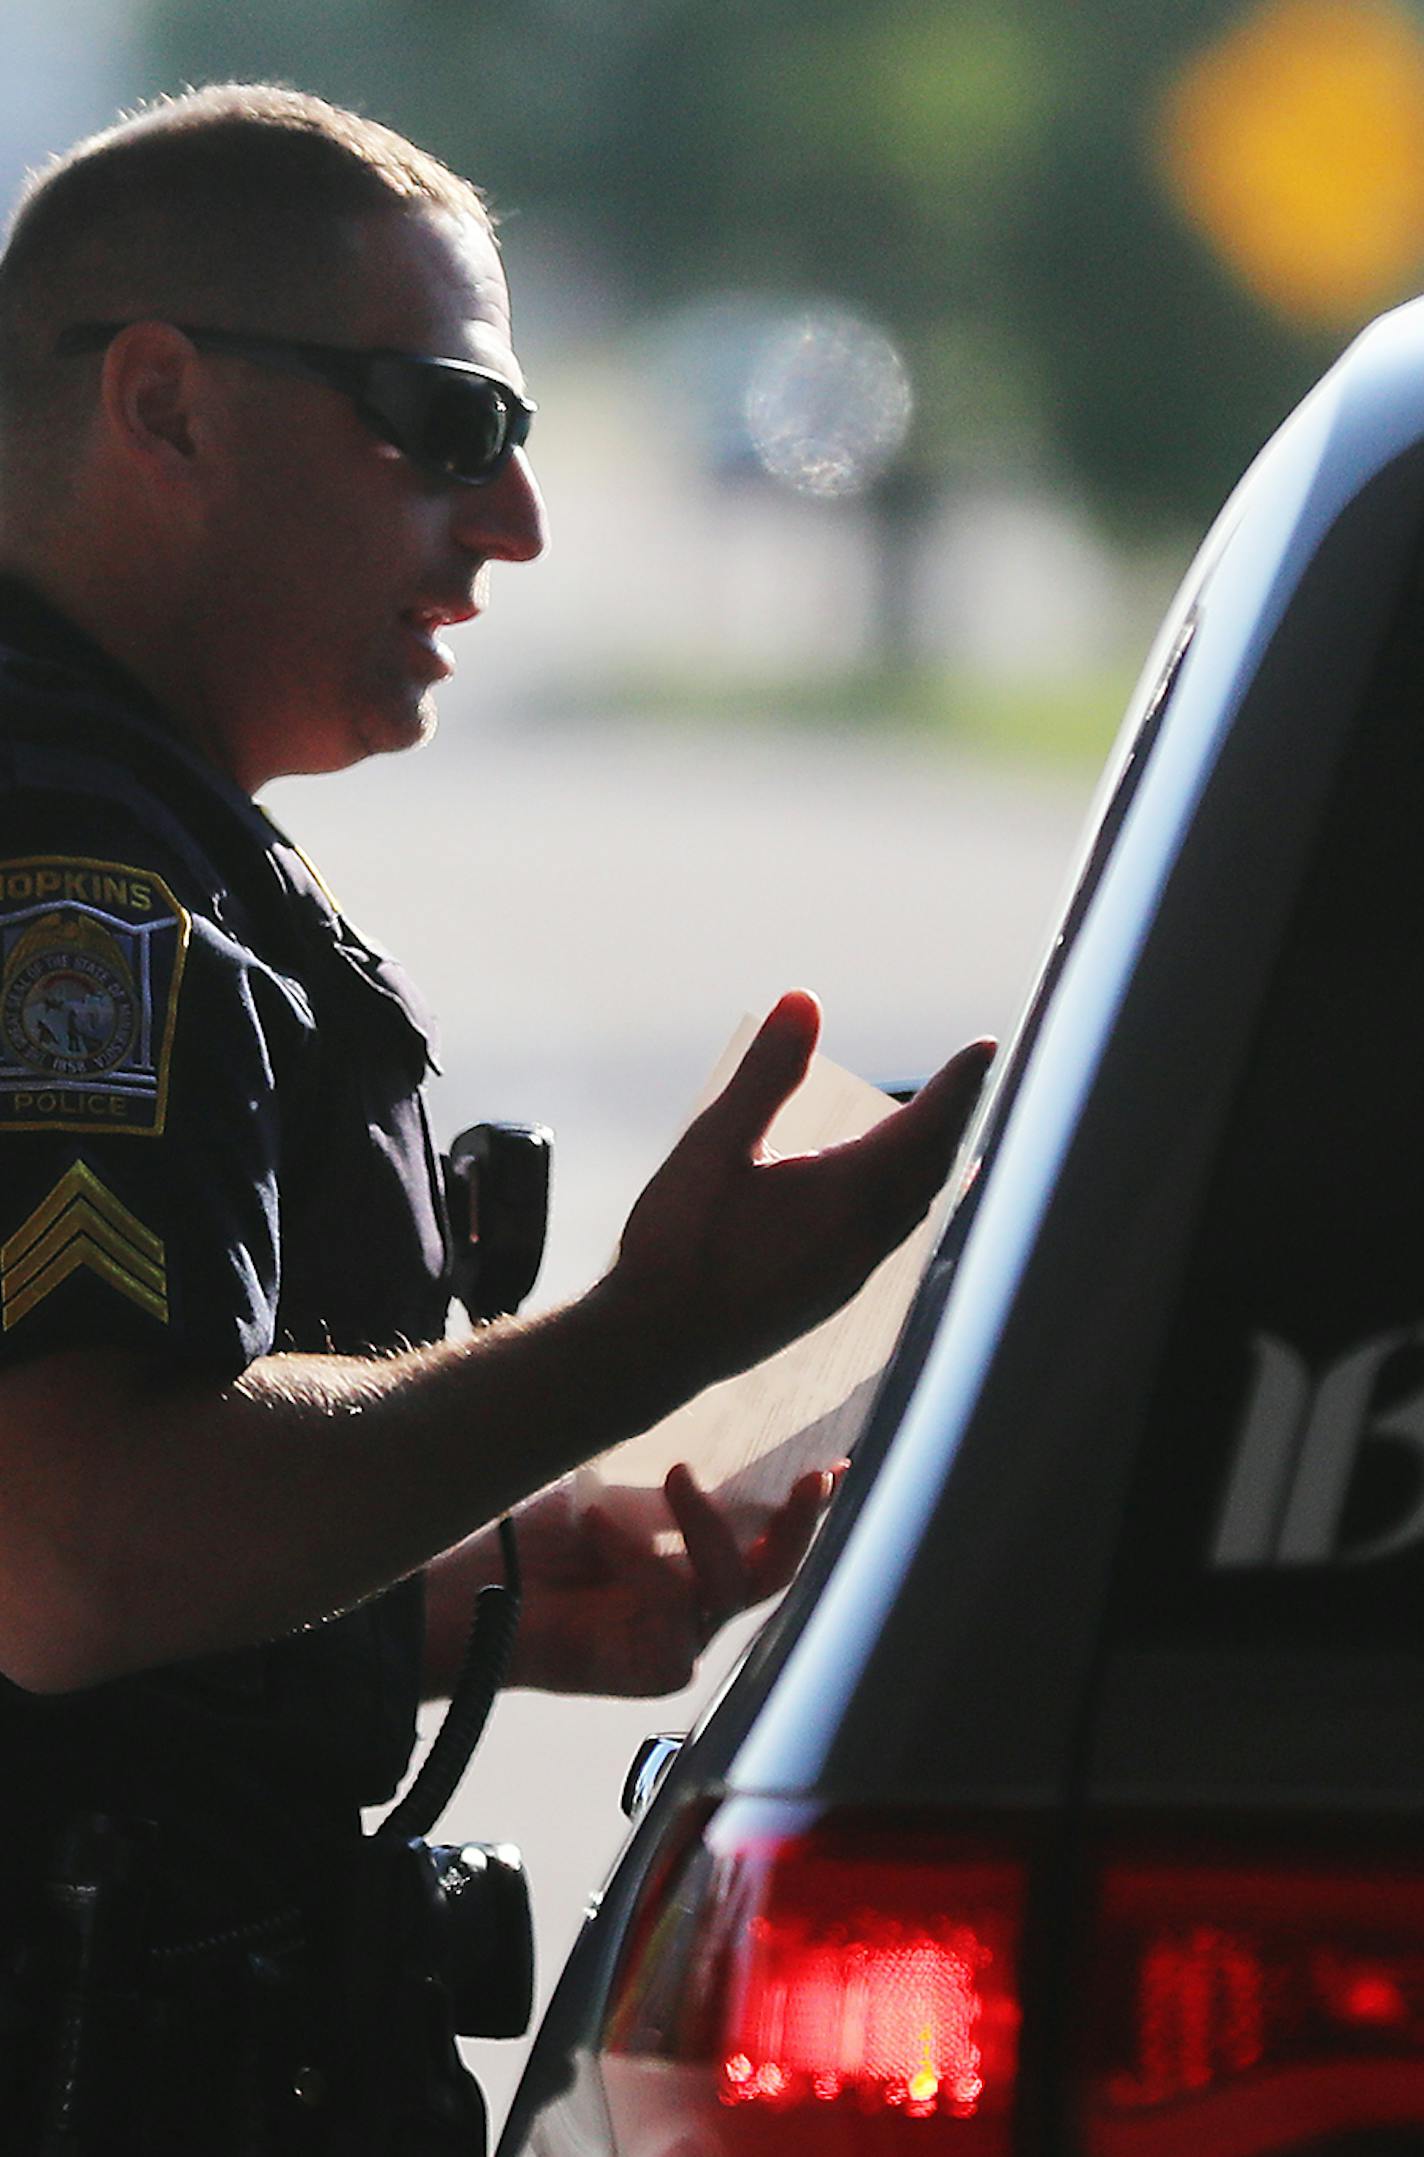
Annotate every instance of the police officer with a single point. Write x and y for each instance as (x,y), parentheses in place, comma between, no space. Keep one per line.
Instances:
(262,435)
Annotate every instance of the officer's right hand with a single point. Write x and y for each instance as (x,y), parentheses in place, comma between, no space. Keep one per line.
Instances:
(730,1252)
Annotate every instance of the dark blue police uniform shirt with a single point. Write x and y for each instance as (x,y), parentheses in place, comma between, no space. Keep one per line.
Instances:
(213,1146)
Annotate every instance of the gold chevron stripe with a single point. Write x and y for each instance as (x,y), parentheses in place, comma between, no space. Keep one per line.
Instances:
(83,1253)
(82,1223)
(80,1181)
(80,1219)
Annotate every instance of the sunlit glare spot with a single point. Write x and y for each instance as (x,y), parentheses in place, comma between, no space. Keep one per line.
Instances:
(1296,144)
(828,404)
(738,2068)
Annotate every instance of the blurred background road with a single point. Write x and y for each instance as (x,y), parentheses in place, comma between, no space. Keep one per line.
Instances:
(892,356)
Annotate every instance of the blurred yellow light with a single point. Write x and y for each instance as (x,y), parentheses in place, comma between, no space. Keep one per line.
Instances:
(1296,143)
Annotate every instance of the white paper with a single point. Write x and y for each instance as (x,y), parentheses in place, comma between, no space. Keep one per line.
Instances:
(750,1438)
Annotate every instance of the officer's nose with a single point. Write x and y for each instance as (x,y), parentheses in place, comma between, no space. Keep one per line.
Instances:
(504,521)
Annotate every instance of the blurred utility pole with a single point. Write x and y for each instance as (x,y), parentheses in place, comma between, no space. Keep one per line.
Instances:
(900,506)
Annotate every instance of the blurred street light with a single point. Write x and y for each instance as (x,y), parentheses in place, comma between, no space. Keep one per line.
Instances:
(829,404)
(800,391)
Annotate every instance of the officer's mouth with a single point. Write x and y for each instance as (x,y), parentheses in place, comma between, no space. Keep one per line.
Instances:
(430,654)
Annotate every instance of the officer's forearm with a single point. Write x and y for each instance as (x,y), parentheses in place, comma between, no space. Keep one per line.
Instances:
(147,1521)
(144,1522)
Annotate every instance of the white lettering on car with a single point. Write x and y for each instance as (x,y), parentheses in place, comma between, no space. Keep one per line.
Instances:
(1300,1440)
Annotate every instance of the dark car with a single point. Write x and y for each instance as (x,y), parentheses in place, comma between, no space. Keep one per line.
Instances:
(1074,1799)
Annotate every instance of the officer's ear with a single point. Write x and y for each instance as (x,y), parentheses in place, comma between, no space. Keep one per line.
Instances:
(150,389)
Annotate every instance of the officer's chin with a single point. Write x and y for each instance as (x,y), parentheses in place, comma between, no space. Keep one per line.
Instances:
(392,733)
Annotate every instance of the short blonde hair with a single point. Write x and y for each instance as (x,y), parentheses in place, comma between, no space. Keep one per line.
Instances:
(234,190)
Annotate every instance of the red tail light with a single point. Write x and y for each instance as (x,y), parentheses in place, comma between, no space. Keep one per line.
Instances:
(1243,2010)
(823,1985)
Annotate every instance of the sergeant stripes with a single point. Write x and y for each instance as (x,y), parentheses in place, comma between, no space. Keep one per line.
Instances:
(82,1223)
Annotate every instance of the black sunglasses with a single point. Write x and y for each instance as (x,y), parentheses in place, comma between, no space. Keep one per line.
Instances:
(455,420)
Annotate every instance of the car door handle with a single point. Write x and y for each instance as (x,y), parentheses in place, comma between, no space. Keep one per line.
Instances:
(651,1762)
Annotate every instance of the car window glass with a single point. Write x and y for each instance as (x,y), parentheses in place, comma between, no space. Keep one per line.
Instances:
(1280,1495)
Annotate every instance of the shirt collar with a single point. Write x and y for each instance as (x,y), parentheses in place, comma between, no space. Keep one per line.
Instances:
(29,624)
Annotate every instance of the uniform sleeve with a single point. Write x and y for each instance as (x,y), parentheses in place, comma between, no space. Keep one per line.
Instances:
(141,1046)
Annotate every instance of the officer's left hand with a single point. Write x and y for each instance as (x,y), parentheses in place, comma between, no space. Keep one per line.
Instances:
(732,1251)
(608,1609)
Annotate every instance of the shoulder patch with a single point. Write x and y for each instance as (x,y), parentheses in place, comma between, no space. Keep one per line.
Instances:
(82,1223)
(91,957)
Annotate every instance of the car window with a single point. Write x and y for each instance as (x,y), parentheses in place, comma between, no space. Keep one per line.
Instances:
(1280,1497)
